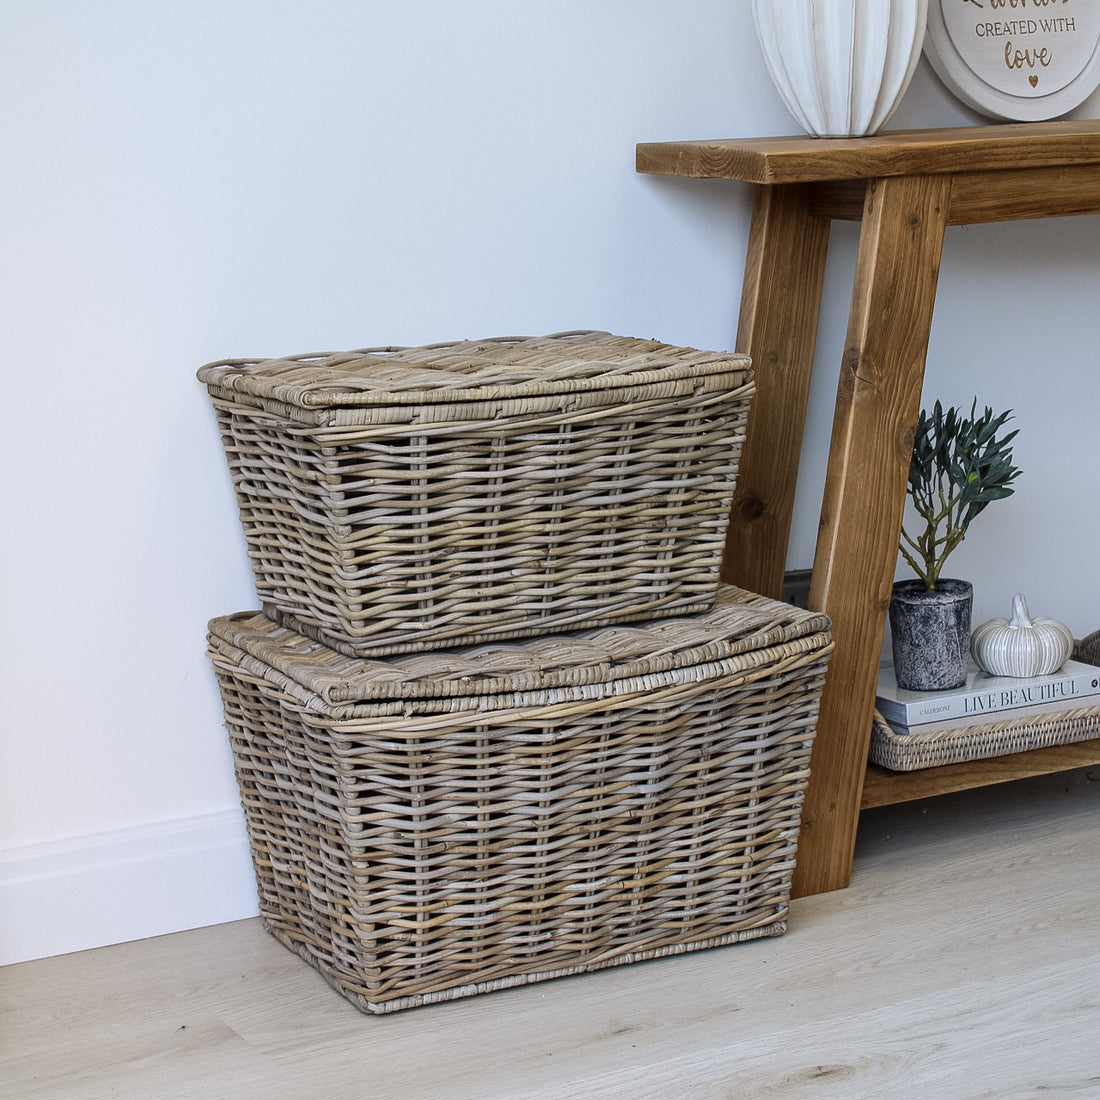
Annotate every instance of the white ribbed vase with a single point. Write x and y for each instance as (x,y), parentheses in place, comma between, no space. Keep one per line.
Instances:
(841,66)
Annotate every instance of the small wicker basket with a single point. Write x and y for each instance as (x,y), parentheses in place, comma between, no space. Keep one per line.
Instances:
(395,500)
(446,824)
(906,752)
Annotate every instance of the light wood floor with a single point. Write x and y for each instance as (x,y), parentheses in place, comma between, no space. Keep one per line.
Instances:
(964,961)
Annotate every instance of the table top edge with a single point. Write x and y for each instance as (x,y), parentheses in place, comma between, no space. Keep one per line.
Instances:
(900,152)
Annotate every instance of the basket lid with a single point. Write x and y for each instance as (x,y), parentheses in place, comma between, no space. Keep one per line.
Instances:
(568,362)
(740,624)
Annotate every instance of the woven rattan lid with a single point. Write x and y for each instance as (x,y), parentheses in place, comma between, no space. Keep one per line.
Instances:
(740,624)
(504,367)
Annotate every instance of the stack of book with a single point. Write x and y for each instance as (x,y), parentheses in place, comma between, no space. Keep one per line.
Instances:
(987,716)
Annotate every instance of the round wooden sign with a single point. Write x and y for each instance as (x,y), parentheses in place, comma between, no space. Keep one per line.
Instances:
(1023,60)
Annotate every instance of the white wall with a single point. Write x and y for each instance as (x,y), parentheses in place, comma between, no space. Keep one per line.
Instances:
(182,183)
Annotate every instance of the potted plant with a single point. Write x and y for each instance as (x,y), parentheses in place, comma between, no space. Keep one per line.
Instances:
(960,464)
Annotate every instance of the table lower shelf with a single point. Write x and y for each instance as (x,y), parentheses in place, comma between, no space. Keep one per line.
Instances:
(882,787)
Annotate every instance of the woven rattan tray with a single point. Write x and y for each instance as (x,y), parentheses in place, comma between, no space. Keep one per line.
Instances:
(434,826)
(903,752)
(401,499)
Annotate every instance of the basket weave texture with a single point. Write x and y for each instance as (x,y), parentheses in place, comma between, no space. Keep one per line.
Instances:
(906,752)
(397,499)
(436,826)
(1087,649)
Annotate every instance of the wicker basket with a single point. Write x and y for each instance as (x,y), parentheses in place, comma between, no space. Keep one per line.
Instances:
(906,752)
(441,825)
(401,499)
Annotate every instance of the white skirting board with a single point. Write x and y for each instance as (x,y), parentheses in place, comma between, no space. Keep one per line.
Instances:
(128,884)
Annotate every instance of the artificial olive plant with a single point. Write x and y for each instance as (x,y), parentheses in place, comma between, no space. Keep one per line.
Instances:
(959,466)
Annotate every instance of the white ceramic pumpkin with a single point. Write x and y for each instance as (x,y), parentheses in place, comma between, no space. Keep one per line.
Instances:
(1022,645)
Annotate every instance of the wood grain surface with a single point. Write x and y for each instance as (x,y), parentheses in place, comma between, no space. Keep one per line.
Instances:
(878,398)
(780,302)
(883,788)
(963,962)
(891,153)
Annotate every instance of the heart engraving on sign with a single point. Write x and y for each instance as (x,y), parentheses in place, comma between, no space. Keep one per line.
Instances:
(1033,80)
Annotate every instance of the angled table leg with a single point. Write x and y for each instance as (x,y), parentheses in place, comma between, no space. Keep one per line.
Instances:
(878,400)
(780,303)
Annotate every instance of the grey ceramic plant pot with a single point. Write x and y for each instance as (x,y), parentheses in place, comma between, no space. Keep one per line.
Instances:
(930,633)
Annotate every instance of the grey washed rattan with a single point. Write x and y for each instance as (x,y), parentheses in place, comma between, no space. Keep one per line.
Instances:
(904,752)
(399,499)
(434,826)
(1087,649)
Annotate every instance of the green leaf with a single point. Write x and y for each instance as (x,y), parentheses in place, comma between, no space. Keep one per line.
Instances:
(960,464)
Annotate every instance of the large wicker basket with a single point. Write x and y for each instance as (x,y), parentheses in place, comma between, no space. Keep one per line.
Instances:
(452,823)
(401,499)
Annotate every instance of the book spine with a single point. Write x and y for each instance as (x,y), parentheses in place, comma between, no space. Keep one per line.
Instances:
(1084,704)
(970,705)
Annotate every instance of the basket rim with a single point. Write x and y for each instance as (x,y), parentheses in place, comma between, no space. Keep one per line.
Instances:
(742,625)
(465,371)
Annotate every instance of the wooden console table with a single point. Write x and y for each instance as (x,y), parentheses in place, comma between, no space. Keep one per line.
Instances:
(905,188)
